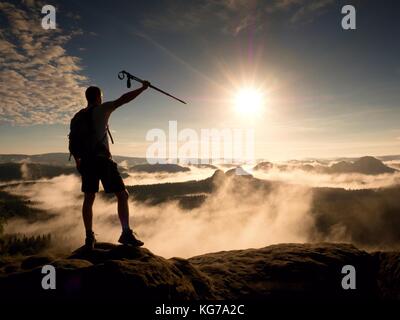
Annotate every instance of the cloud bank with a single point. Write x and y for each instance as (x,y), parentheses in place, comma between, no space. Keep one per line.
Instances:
(229,219)
(237,215)
(350,181)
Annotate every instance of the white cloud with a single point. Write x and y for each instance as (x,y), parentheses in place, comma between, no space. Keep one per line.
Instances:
(41,82)
(229,219)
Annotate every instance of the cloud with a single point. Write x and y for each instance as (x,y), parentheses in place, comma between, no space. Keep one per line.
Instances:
(228,16)
(308,11)
(41,82)
(350,181)
(161,177)
(232,16)
(232,218)
(235,216)
(395,164)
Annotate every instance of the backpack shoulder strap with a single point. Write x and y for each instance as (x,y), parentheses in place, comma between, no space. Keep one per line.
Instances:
(109,133)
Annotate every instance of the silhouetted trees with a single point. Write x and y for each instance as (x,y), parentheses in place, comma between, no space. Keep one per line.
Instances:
(21,244)
(12,206)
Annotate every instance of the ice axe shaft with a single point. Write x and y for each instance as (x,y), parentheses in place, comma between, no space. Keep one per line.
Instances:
(122,74)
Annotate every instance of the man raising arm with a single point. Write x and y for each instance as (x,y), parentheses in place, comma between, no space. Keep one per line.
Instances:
(129,96)
(97,165)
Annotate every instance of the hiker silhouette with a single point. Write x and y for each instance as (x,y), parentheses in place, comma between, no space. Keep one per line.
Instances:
(88,144)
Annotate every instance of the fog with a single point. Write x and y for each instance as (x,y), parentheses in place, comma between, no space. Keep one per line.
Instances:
(224,222)
(347,181)
(152,178)
(236,216)
(395,164)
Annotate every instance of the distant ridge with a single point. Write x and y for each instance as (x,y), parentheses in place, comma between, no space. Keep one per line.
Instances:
(159,168)
(61,159)
(365,165)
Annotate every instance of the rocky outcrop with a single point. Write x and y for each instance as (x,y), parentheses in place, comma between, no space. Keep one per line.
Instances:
(283,272)
(364,165)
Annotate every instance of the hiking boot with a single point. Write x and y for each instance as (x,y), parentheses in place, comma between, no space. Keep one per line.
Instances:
(90,241)
(128,237)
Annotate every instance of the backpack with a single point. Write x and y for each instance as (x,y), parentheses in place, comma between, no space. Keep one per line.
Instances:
(81,135)
(82,139)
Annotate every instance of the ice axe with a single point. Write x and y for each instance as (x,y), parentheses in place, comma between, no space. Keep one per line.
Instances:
(122,74)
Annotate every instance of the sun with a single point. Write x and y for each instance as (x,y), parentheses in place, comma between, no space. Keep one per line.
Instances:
(249,101)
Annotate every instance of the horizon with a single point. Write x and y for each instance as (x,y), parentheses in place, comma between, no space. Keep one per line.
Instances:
(335,158)
(322,91)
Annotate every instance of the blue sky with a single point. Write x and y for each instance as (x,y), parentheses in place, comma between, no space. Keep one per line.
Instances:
(329,92)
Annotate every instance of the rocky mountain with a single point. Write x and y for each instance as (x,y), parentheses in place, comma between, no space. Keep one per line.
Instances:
(364,165)
(280,273)
(238,171)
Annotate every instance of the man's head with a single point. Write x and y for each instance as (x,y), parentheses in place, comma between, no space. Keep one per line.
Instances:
(93,95)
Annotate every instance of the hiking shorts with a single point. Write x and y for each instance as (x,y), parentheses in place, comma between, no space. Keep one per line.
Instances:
(100,169)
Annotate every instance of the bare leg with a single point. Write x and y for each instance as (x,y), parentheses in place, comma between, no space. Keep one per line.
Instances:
(127,236)
(123,208)
(87,211)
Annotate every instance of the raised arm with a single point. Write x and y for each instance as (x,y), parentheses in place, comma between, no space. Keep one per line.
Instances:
(129,96)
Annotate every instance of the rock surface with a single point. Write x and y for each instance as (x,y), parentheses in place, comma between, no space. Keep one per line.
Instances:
(283,272)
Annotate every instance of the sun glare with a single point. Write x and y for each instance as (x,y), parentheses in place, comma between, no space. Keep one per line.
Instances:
(249,101)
